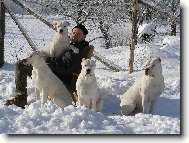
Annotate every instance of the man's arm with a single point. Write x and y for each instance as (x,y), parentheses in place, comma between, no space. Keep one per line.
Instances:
(69,61)
(67,64)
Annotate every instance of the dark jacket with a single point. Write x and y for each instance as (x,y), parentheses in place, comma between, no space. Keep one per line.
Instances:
(69,62)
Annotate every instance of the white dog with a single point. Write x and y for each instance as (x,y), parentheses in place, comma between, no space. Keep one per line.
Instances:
(46,83)
(145,90)
(86,86)
(61,41)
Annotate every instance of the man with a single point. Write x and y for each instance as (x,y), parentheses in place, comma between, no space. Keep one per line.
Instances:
(63,67)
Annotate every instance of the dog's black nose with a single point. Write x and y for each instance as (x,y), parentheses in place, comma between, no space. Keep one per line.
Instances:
(146,71)
(61,30)
(88,71)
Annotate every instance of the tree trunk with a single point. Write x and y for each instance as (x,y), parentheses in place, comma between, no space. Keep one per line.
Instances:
(105,36)
(172,23)
(79,12)
(133,36)
(173,28)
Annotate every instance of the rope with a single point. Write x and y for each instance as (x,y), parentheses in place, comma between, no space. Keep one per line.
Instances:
(33,13)
(31,43)
(113,68)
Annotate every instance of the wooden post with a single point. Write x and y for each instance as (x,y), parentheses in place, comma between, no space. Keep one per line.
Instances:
(2,33)
(134,32)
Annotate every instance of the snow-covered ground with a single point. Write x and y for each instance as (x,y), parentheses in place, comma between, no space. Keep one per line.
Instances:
(49,119)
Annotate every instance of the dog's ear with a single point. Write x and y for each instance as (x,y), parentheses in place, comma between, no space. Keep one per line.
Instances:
(39,53)
(29,53)
(147,63)
(54,25)
(66,23)
(83,59)
(159,59)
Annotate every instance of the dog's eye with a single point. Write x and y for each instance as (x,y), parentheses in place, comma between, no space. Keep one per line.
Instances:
(153,66)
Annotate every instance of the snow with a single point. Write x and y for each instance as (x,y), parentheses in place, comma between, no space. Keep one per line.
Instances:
(147,28)
(50,119)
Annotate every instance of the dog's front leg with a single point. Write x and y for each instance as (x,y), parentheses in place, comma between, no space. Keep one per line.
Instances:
(94,105)
(99,105)
(37,94)
(44,96)
(80,100)
(152,106)
(144,103)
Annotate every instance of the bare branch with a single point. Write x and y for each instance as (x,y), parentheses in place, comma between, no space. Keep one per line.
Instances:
(83,18)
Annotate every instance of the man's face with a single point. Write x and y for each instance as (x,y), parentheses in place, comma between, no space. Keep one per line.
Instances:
(77,35)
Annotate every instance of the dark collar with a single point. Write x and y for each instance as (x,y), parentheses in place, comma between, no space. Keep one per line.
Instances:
(78,42)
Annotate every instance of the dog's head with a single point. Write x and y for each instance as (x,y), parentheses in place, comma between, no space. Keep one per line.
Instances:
(61,28)
(153,67)
(88,66)
(34,57)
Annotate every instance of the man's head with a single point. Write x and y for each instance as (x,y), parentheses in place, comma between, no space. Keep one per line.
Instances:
(79,33)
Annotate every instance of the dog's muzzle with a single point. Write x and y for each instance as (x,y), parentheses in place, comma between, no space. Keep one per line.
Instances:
(146,71)
(24,60)
(88,71)
(61,31)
